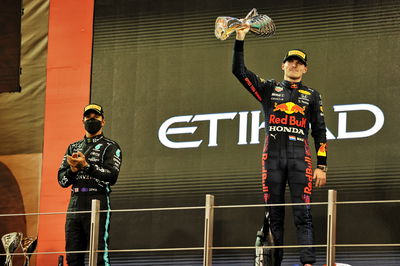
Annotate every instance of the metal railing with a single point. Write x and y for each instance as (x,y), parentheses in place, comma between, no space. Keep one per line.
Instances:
(208,247)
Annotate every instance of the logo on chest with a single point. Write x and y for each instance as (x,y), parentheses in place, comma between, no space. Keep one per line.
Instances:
(289,108)
(94,157)
(288,120)
(97,147)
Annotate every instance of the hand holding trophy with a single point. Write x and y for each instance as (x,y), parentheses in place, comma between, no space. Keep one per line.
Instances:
(260,25)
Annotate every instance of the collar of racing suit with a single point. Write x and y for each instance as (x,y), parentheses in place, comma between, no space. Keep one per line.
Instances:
(94,139)
(291,85)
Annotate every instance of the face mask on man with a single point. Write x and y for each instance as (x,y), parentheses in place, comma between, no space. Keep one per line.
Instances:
(92,125)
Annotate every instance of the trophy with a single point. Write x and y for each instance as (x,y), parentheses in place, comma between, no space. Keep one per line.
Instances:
(28,245)
(260,25)
(11,242)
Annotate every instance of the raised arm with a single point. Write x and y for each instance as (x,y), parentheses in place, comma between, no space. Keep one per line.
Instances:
(255,85)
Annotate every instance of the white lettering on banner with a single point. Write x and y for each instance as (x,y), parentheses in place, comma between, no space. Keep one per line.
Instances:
(255,127)
(329,134)
(243,128)
(213,118)
(167,129)
(342,127)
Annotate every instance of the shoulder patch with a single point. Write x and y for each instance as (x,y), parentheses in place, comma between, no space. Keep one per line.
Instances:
(305,92)
(118,153)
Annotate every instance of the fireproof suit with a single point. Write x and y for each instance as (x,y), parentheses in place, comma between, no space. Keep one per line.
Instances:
(104,158)
(289,109)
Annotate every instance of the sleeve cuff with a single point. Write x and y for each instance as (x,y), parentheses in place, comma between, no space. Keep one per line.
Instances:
(321,160)
(70,173)
(239,46)
(88,169)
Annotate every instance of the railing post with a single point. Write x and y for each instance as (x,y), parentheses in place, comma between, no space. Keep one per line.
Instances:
(331,230)
(94,233)
(208,230)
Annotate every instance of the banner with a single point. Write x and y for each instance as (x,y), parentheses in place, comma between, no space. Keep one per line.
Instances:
(187,127)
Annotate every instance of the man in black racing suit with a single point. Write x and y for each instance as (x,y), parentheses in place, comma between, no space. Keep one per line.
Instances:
(290,108)
(90,166)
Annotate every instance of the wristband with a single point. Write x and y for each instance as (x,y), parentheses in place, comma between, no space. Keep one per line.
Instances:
(324,168)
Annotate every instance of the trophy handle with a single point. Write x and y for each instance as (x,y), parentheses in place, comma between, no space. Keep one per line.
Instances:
(251,14)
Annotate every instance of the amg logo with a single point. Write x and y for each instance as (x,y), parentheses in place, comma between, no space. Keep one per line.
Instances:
(286,129)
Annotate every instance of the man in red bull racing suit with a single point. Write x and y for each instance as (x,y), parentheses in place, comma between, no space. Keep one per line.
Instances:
(90,166)
(289,108)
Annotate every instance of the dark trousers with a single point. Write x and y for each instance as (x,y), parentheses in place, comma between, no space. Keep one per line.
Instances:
(282,163)
(77,228)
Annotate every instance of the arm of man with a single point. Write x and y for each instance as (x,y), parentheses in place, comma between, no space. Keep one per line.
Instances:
(255,85)
(318,128)
(66,172)
(108,171)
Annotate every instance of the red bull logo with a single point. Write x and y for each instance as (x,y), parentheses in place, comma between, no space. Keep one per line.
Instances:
(253,89)
(264,173)
(264,177)
(309,175)
(289,108)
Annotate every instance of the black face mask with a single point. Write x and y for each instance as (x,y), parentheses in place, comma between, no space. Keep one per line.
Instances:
(92,125)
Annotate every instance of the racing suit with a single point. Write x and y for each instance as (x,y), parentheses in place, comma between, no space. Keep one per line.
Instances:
(289,109)
(93,182)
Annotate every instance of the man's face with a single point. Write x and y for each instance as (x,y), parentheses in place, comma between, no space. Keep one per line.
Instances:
(95,116)
(294,69)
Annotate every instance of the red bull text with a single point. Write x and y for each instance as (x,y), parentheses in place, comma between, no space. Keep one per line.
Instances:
(288,120)
(309,175)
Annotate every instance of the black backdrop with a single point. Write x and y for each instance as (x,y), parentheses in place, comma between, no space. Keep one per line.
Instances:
(157,60)
(10,45)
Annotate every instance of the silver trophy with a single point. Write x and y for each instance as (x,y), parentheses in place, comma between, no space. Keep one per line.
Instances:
(28,245)
(11,242)
(260,25)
